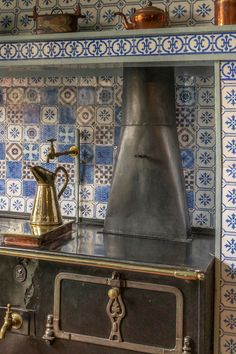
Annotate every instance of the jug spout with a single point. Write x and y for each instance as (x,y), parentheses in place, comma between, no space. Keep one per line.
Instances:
(42,175)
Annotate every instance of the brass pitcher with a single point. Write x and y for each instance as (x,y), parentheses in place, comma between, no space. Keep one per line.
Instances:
(46,210)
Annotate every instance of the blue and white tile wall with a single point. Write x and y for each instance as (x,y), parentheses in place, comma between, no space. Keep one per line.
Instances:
(228,244)
(33,110)
(99,15)
(196,132)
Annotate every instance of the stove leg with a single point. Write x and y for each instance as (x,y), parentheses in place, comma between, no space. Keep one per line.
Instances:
(187,345)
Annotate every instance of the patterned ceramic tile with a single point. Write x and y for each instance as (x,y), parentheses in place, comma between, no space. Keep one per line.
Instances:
(14,151)
(100,15)
(49,114)
(104,115)
(86,135)
(85,115)
(67,95)
(52,107)
(14,114)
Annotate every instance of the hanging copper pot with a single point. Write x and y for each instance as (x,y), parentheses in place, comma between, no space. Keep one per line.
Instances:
(225,12)
(56,22)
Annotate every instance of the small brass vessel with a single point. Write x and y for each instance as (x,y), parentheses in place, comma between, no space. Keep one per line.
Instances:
(225,12)
(147,17)
(46,209)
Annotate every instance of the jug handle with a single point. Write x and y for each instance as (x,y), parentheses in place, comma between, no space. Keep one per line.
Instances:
(66,181)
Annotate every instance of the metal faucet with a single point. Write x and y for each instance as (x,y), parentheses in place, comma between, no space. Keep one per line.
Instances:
(11,320)
(74,151)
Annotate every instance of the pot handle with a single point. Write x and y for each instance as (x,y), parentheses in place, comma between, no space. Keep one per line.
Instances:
(61,168)
(35,14)
(78,11)
(57,10)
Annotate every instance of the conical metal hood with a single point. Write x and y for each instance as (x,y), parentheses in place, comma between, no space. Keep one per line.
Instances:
(147,194)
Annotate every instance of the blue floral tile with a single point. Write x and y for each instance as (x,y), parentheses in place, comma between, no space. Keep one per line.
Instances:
(2,151)
(13,187)
(229,246)
(205,138)
(205,199)
(2,187)
(4,203)
(185,96)
(101,209)
(69,192)
(86,96)
(31,133)
(14,132)
(228,270)
(201,219)
(49,96)
(86,174)
(13,169)
(205,179)
(66,134)
(65,158)
(86,192)
(48,132)
(118,115)
(105,95)
(103,155)
(32,95)
(86,135)
(102,194)
(187,158)
(104,115)
(190,199)
(86,210)
(29,188)
(49,114)
(66,115)
(205,158)
(87,153)
(228,321)
(117,135)
(31,152)
(31,114)
(17,204)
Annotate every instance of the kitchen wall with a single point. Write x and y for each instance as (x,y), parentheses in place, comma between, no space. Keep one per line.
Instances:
(35,109)
(99,15)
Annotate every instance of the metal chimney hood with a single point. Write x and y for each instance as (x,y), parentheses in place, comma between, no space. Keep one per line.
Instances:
(147,196)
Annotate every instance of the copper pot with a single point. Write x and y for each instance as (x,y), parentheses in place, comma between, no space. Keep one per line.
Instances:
(147,17)
(225,12)
(56,22)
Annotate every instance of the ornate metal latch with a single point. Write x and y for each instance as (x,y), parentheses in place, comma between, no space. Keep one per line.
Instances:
(115,307)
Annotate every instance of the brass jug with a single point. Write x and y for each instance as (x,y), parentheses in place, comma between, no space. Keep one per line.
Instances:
(46,210)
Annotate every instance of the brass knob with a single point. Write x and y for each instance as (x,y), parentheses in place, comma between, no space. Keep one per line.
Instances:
(113,293)
(201,276)
(74,151)
(16,321)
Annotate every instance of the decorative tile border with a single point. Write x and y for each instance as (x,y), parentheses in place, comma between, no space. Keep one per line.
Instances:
(123,46)
(228,240)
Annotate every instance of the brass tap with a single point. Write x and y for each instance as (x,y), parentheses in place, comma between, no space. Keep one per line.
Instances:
(73,152)
(11,320)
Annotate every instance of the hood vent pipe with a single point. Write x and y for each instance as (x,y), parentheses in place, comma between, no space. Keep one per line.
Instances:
(147,194)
